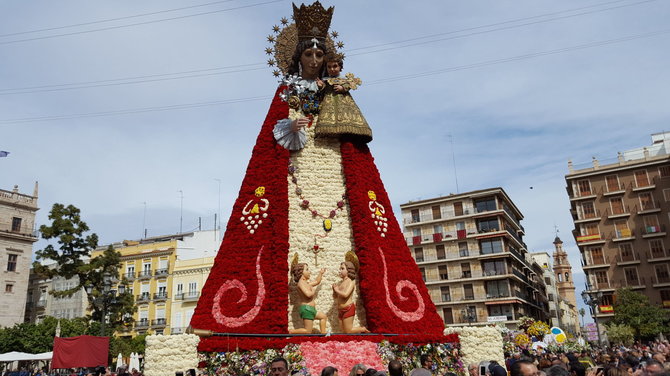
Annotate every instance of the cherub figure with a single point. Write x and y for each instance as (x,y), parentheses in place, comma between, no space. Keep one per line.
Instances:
(344,292)
(307,293)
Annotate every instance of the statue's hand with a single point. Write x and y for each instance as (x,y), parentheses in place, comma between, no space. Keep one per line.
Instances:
(320,83)
(339,89)
(323,270)
(298,124)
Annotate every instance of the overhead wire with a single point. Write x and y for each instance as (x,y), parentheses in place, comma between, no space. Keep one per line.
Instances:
(371,82)
(136,24)
(193,73)
(113,19)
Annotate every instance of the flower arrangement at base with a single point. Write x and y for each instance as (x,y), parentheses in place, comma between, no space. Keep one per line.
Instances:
(525,322)
(522,340)
(538,329)
(252,362)
(446,356)
(479,343)
(166,354)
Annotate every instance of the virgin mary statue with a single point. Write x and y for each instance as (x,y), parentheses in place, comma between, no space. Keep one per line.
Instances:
(311,197)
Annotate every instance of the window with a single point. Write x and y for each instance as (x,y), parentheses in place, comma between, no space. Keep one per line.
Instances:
(463,249)
(588,210)
(597,257)
(144,291)
(662,275)
(497,289)
(423,273)
(492,268)
(641,178)
(665,297)
(616,205)
(11,262)
(491,246)
(547,281)
(445,293)
(601,279)
(567,277)
(651,225)
(162,289)
(180,288)
(458,208)
(439,250)
(447,315)
(666,194)
(16,224)
(9,287)
(418,254)
(583,188)
(656,248)
(486,225)
(664,171)
(438,229)
(442,270)
(192,287)
(437,214)
(130,270)
(460,226)
(621,229)
(415,216)
(590,229)
(646,201)
(465,270)
(416,232)
(501,310)
(487,204)
(626,252)
(612,182)
(631,276)
(468,292)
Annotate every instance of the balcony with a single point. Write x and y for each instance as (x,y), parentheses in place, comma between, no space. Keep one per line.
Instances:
(644,185)
(41,303)
(627,259)
(588,217)
(653,231)
(649,208)
(633,283)
(158,323)
(588,239)
(657,255)
(144,274)
(191,296)
(143,297)
(615,213)
(446,297)
(595,262)
(177,330)
(622,235)
(161,272)
(142,324)
(160,296)
(661,281)
(130,276)
(613,190)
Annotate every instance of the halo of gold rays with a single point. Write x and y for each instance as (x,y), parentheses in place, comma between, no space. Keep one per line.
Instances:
(283,42)
(351,257)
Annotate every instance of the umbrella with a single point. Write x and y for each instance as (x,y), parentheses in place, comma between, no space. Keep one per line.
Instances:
(119,362)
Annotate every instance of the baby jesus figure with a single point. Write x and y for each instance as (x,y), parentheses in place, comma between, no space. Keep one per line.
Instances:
(339,114)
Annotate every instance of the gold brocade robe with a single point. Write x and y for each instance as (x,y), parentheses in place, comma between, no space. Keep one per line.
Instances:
(339,114)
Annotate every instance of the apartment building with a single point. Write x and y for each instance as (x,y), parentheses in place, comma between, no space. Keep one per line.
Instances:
(41,303)
(149,267)
(620,211)
(17,235)
(470,250)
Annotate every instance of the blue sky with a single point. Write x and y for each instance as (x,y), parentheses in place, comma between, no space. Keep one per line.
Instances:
(521,86)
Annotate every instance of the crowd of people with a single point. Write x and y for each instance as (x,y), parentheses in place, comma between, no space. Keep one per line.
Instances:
(650,359)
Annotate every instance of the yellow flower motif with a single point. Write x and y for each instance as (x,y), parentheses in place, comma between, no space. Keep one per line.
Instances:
(372,195)
(260,191)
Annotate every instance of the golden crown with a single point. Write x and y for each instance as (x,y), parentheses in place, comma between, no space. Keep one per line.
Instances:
(312,21)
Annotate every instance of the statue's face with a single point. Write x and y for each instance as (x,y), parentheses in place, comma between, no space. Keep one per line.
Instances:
(306,273)
(312,61)
(343,270)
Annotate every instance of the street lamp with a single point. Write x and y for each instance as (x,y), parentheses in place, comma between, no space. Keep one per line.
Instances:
(468,314)
(107,296)
(593,299)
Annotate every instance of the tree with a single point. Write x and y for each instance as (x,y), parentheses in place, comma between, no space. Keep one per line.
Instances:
(620,334)
(634,310)
(71,256)
(35,338)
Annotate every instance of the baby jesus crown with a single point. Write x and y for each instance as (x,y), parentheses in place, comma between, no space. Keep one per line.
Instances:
(312,21)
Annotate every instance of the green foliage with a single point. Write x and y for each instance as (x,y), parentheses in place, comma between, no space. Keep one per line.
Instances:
(74,249)
(36,338)
(633,309)
(620,334)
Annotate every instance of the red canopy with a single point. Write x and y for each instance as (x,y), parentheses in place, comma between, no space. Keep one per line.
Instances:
(81,351)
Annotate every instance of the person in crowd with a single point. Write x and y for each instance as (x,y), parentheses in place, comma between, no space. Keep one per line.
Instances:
(523,367)
(395,368)
(426,366)
(473,369)
(329,371)
(358,370)
(370,372)
(279,367)
(653,367)
(557,370)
